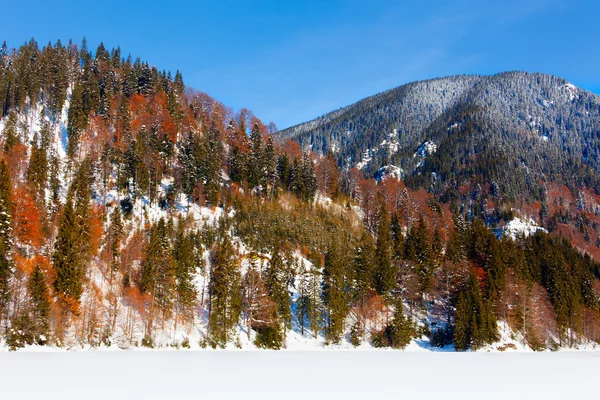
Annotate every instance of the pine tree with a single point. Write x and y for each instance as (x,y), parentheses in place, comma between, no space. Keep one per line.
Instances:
(77,120)
(10,133)
(255,167)
(270,176)
(309,178)
(211,167)
(335,292)
(398,332)
(462,325)
(39,304)
(309,304)
(386,271)
(276,284)
(475,322)
(67,263)
(365,267)
(37,172)
(185,268)
(6,212)
(224,291)
(158,269)
(397,238)
(114,236)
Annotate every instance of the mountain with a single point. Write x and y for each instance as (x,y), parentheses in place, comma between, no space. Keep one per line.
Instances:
(136,211)
(539,127)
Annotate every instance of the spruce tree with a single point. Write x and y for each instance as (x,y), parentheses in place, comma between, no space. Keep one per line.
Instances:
(158,269)
(365,267)
(225,293)
(475,322)
(39,305)
(309,305)
(6,212)
(335,292)
(37,172)
(397,238)
(398,332)
(276,284)
(255,167)
(11,136)
(185,269)
(270,175)
(66,260)
(386,274)
(77,120)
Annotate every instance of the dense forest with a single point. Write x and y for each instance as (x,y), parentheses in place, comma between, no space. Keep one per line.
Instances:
(136,211)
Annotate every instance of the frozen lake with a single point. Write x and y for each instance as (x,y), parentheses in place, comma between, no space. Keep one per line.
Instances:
(171,375)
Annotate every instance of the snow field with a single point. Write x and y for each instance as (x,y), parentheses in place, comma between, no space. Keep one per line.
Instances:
(298,375)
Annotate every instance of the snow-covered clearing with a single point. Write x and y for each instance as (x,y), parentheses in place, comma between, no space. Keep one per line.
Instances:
(298,375)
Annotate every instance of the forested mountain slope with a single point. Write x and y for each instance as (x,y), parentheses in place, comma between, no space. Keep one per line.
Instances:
(539,126)
(135,211)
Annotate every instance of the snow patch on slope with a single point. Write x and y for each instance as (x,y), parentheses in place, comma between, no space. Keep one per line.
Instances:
(518,227)
(427,148)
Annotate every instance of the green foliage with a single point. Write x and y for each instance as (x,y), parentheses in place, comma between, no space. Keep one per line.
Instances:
(276,282)
(475,323)
(6,211)
(399,331)
(68,264)
(386,272)
(158,269)
(309,305)
(269,337)
(335,292)
(224,290)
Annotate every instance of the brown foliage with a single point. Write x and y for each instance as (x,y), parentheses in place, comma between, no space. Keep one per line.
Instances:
(27,224)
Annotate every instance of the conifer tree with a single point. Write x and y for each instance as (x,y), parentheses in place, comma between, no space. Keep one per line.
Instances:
(276,285)
(10,134)
(397,238)
(67,262)
(39,305)
(309,178)
(115,234)
(309,303)
(386,272)
(211,167)
(335,292)
(158,269)
(185,269)
(398,332)
(37,172)
(255,168)
(365,266)
(77,120)
(6,212)
(475,323)
(224,291)
(270,175)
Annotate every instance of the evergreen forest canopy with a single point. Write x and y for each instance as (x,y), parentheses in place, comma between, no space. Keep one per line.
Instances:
(135,211)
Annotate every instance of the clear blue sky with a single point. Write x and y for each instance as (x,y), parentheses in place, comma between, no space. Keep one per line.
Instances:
(290,61)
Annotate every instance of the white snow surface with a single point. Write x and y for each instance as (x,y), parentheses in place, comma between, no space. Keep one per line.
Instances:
(298,375)
(427,148)
(518,226)
(389,171)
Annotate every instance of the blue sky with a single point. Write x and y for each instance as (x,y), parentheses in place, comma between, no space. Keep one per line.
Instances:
(290,61)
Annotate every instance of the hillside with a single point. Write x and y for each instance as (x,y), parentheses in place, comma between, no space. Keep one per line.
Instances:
(457,137)
(138,212)
(539,126)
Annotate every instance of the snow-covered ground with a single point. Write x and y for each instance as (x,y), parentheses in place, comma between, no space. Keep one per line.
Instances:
(298,375)
(518,226)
